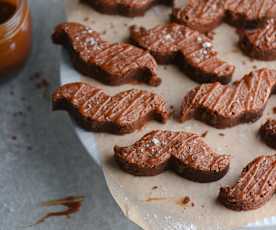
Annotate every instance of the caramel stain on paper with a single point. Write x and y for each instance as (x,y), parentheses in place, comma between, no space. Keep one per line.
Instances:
(72,205)
(152,199)
(183,201)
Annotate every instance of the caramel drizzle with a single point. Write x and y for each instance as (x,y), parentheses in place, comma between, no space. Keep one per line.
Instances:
(252,8)
(263,37)
(185,41)
(205,158)
(115,108)
(199,9)
(248,182)
(118,58)
(253,93)
(204,7)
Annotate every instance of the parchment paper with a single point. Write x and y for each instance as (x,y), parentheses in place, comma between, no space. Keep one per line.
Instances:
(133,193)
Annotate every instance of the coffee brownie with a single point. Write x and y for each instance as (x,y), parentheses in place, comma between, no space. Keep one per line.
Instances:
(96,111)
(224,106)
(268,133)
(112,64)
(249,13)
(129,8)
(200,15)
(255,186)
(185,153)
(191,50)
(259,43)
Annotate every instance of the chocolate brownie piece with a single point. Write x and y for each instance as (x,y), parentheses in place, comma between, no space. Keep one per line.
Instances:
(129,8)
(249,13)
(200,15)
(255,186)
(113,64)
(268,133)
(191,50)
(259,43)
(185,153)
(96,111)
(224,106)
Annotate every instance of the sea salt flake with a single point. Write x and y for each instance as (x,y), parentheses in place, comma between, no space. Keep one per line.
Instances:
(168,37)
(156,141)
(207,45)
(199,39)
(90,41)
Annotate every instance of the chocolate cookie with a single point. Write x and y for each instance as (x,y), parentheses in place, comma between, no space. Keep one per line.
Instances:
(268,133)
(129,8)
(200,15)
(255,187)
(113,64)
(96,111)
(259,43)
(191,50)
(185,153)
(249,13)
(224,106)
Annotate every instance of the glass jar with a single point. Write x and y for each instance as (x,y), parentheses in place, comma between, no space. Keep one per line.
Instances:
(15,35)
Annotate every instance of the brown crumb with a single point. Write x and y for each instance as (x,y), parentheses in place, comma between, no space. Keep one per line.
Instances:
(254,67)
(35,76)
(104,32)
(172,110)
(274,110)
(244,62)
(193,204)
(185,201)
(211,35)
(164,67)
(204,134)
(202,206)
(111,25)
(42,84)
(29,108)
(221,134)
(154,187)
(86,19)
(236,50)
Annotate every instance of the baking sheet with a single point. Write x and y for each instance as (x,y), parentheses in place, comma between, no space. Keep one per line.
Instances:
(138,197)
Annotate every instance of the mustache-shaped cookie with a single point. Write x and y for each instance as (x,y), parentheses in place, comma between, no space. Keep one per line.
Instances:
(205,15)
(259,43)
(191,50)
(200,15)
(249,13)
(96,111)
(255,186)
(113,64)
(129,8)
(185,153)
(268,133)
(224,106)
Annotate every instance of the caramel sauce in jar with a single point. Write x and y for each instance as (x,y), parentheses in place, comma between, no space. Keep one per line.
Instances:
(15,35)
